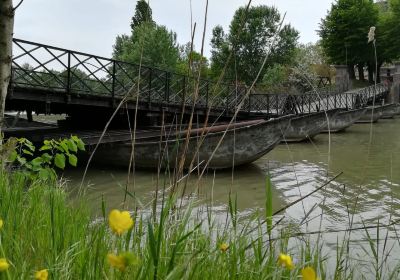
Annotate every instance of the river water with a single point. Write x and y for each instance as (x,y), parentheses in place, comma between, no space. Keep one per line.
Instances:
(368,186)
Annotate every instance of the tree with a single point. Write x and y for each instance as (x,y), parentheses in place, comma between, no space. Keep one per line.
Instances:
(343,32)
(390,35)
(118,47)
(275,78)
(143,13)
(6,34)
(151,45)
(191,62)
(250,41)
(309,64)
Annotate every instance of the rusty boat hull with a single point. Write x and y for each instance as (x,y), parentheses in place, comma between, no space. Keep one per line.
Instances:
(219,147)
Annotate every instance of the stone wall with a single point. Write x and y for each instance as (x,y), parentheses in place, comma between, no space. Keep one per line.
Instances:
(394,94)
(342,79)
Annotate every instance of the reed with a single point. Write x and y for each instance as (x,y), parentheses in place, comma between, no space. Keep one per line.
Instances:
(44,229)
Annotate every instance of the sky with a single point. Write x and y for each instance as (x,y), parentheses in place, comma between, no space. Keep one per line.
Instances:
(91,25)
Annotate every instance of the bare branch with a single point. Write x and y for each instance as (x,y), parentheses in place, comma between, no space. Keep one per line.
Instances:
(19,4)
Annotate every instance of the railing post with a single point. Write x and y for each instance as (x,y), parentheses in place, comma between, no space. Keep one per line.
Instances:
(227,102)
(249,104)
(113,86)
(184,93)
(268,109)
(150,85)
(167,82)
(334,101)
(68,89)
(319,104)
(207,95)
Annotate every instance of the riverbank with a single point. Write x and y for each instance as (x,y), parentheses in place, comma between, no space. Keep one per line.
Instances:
(43,229)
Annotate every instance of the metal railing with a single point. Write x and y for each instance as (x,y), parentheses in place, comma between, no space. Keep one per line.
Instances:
(45,68)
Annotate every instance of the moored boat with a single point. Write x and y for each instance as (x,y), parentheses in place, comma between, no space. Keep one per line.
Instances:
(372,114)
(390,110)
(308,126)
(344,119)
(242,143)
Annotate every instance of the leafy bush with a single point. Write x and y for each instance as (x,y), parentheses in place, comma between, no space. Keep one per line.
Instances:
(40,163)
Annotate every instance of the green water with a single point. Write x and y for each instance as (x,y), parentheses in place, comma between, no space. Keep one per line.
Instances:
(368,187)
(370,177)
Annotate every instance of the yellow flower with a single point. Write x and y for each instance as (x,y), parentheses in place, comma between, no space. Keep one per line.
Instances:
(4,265)
(308,273)
(122,261)
(120,221)
(41,274)
(224,247)
(286,261)
(1,223)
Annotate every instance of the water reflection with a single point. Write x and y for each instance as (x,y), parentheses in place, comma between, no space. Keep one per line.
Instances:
(369,177)
(369,187)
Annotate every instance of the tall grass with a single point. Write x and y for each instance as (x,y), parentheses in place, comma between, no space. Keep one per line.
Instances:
(43,229)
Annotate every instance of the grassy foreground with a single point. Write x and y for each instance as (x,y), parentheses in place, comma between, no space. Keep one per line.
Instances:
(43,230)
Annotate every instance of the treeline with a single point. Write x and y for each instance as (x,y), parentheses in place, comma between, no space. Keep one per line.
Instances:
(237,54)
(344,35)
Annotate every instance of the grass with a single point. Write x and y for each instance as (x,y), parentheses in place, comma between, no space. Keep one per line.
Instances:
(43,229)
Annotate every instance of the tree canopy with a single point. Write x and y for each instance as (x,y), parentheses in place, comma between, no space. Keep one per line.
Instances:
(143,13)
(251,37)
(343,32)
(191,62)
(390,37)
(149,43)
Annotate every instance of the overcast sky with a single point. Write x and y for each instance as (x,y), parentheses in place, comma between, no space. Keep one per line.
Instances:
(92,25)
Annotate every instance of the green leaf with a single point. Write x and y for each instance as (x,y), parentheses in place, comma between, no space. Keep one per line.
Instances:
(21,160)
(36,168)
(64,146)
(30,146)
(152,243)
(13,156)
(46,158)
(268,204)
(37,161)
(45,148)
(72,146)
(75,138)
(27,152)
(80,144)
(59,161)
(44,174)
(73,160)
